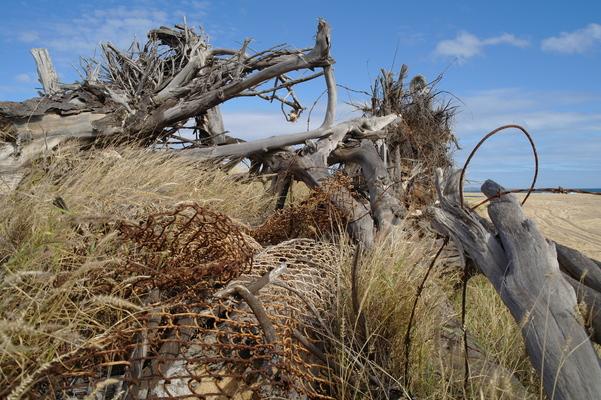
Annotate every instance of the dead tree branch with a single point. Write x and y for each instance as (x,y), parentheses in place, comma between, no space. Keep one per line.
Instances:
(523,268)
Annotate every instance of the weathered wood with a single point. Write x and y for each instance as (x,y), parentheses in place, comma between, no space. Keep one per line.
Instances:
(312,167)
(584,274)
(178,111)
(212,123)
(397,171)
(37,136)
(589,301)
(523,268)
(178,91)
(332,96)
(387,209)
(579,266)
(46,72)
(339,131)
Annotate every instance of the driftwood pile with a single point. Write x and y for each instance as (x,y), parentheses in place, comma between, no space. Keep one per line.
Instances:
(149,95)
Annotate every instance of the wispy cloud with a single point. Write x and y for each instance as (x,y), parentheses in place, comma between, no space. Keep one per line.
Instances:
(466,45)
(576,42)
(23,78)
(28,36)
(485,110)
(568,141)
(116,24)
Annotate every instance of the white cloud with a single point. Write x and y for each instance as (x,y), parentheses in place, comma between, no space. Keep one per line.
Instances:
(578,41)
(117,24)
(466,45)
(568,142)
(23,78)
(28,36)
(506,38)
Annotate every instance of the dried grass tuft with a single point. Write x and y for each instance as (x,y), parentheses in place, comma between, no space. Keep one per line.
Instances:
(62,285)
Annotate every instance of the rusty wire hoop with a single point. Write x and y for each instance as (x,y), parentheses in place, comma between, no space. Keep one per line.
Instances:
(481,142)
(465,277)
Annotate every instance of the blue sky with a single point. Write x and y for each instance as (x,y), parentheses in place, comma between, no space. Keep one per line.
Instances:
(535,63)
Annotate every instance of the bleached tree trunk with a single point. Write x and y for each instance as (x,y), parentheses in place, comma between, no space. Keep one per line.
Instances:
(523,268)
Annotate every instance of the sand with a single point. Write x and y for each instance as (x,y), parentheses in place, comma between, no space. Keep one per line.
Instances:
(570,219)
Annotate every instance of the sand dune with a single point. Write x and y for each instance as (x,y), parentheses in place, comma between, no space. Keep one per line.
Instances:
(570,219)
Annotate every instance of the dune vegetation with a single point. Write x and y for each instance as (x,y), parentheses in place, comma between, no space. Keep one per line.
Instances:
(62,287)
(147,253)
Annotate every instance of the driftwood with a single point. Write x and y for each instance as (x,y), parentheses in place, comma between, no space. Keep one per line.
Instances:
(523,268)
(46,72)
(386,207)
(589,301)
(579,266)
(339,131)
(143,94)
(143,97)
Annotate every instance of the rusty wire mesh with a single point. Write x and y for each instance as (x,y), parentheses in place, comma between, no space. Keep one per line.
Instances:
(189,247)
(313,217)
(191,336)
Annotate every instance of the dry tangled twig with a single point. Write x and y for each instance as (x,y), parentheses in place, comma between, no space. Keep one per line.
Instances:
(423,141)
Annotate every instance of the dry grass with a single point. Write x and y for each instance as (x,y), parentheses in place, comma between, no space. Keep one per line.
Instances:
(489,320)
(56,265)
(388,279)
(373,345)
(127,183)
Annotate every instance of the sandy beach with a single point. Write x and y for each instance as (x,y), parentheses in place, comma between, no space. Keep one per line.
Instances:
(570,219)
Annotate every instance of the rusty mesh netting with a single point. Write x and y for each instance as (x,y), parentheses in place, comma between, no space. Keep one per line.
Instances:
(215,321)
(313,217)
(189,247)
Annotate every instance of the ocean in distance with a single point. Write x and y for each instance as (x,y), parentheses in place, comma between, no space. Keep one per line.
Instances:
(592,190)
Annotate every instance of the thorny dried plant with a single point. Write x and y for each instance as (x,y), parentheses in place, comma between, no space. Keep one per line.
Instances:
(423,141)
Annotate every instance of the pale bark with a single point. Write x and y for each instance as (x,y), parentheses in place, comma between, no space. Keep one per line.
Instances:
(46,72)
(386,208)
(523,268)
(338,132)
